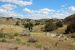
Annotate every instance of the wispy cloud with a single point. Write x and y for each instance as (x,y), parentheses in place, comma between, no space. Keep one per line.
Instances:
(7,11)
(8,6)
(48,13)
(18,2)
(27,10)
(71,9)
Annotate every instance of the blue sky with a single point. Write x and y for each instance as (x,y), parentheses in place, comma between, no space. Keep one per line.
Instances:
(37,9)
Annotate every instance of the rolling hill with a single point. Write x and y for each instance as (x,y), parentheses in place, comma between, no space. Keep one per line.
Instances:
(70,19)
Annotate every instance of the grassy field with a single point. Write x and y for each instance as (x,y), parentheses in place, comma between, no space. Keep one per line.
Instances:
(39,40)
(43,41)
(11,29)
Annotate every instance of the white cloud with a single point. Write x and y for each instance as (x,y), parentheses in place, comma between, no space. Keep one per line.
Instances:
(44,11)
(18,2)
(59,15)
(47,13)
(8,6)
(39,14)
(7,11)
(72,8)
(27,10)
(51,13)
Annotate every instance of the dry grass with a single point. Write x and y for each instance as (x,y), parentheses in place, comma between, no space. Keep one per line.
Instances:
(49,41)
(61,29)
(42,39)
(11,29)
(9,46)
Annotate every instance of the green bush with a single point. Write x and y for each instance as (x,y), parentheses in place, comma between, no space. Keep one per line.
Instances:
(73,36)
(10,36)
(17,23)
(6,35)
(29,26)
(2,35)
(50,27)
(59,24)
(38,46)
(37,23)
(3,40)
(16,34)
(18,40)
(70,28)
